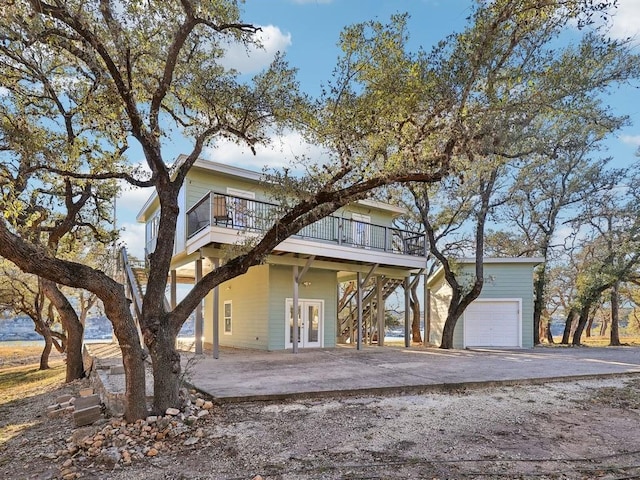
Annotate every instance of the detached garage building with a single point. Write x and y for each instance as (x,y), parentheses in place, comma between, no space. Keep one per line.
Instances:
(502,316)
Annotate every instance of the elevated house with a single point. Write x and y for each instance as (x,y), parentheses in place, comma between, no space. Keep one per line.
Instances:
(337,270)
(502,316)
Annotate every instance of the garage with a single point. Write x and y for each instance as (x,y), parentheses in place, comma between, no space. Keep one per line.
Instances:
(493,323)
(502,316)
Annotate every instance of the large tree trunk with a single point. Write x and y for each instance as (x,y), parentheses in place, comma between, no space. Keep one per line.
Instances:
(46,351)
(589,326)
(549,333)
(449,328)
(544,330)
(415,311)
(615,321)
(458,304)
(454,313)
(582,323)
(603,326)
(43,329)
(73,327)
(125,330)
(166,368)
(566,334)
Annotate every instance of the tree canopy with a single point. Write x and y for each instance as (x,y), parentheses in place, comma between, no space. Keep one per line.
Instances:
(85,80)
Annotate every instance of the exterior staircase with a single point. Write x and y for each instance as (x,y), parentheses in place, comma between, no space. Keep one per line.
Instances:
(135,279)
(348,313)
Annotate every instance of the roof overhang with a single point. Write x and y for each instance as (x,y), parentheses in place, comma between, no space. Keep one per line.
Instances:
(532,261)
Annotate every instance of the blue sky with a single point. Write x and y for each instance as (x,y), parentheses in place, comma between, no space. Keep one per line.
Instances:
(308,31)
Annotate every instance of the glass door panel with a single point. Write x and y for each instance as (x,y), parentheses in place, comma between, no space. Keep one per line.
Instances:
(310,323)
(300,338)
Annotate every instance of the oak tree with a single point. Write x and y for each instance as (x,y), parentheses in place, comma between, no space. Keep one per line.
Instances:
(142,72)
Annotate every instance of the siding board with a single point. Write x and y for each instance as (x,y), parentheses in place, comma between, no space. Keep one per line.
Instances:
(502,280)
(323,287)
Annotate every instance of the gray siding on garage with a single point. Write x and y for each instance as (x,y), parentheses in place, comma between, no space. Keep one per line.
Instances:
(502,281)
(513,281)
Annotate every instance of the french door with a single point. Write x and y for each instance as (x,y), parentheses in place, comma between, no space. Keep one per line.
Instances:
(310,323)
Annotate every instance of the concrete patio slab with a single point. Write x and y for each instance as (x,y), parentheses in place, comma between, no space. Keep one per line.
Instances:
(244,375)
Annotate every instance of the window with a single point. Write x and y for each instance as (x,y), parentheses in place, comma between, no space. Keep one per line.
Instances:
(152,233)
(243,209)
(360,234)
(227,317)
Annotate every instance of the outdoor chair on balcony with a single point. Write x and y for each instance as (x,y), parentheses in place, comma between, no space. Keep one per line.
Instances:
(221,213)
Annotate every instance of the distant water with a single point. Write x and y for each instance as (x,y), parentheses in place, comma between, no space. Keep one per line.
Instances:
(40,343)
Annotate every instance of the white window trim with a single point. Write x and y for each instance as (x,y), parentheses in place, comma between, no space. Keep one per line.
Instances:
(224,317)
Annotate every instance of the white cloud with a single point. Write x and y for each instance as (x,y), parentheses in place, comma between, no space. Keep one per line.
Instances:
(132,198)
(626,20)
(132,237)
(128,204)
(283,151)
(631,139)
(255,58)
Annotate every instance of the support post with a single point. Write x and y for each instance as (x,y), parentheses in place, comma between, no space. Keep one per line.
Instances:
(361,283)
(216,314)
(199,322)
(359,309)
(174,289)
(380,310)
(407,313)
(294,314)
(427,313)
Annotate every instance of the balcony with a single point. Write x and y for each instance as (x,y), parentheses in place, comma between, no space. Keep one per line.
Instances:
(250,215)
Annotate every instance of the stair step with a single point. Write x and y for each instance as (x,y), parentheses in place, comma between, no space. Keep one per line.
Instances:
(369,299)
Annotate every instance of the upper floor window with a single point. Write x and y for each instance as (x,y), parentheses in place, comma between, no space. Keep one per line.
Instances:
(361,228)
(242,207)
(155,225)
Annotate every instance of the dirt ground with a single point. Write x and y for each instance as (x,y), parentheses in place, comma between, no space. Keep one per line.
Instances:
(569,430)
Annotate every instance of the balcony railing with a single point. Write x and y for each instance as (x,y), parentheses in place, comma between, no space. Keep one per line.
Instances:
(252,215)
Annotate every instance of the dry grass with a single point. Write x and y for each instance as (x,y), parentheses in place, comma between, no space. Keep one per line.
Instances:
(20,379)
(16,353)
(23,380)
(598,341)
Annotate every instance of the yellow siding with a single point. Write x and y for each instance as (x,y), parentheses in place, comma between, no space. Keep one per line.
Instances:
(440,297)
(249,296)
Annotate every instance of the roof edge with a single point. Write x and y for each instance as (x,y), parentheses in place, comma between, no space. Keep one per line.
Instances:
(487,261)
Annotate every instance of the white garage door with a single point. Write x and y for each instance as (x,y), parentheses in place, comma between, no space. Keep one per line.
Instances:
(494,323)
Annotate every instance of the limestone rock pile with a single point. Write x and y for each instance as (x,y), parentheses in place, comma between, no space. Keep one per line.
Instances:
(114,442)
